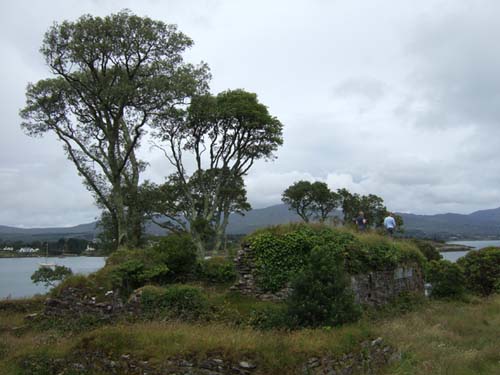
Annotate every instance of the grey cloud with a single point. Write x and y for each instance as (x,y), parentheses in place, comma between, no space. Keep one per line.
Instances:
(456,78)
(369,88)
(400,100)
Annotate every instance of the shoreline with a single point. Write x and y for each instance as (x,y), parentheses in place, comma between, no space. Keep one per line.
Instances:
(446,248)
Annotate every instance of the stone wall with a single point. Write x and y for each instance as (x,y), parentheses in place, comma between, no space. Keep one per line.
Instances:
(368,359)
(374,288)
(76,302)
(378,288)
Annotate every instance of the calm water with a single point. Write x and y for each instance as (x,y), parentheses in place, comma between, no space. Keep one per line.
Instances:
(15,273)
(454,255)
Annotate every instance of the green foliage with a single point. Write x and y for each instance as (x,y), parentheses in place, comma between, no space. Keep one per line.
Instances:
(482,270)
(181,302)
(278,258)
(427,249)
(377,253)
(320,293)
(371,205)
(238,130)
(217,270)
(447,279)
(113,77)
(50,276)
(172,259)
(178,252)
(132,274)
(311,200)
(75,281)
(283,251)
(270,316)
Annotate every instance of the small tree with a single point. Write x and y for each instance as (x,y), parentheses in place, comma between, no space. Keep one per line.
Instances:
(50,276)
(311,200)
(320,294)
(298,198)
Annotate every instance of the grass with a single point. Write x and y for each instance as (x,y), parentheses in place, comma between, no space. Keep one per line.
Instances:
(454,338)
(435,337)
(275,352)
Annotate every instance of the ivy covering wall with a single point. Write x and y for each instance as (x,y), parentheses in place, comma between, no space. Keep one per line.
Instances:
(281,252)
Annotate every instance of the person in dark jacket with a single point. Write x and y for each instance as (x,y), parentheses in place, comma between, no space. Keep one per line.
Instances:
(361,222)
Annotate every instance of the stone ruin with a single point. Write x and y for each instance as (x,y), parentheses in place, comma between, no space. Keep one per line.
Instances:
(373,288)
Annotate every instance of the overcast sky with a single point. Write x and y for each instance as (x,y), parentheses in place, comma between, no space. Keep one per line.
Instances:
(396,98)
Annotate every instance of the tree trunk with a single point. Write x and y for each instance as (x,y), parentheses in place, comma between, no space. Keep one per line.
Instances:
(200,246)
(221,231)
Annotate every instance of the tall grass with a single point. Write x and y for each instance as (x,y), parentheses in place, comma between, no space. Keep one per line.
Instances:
(275,352)
(453,338)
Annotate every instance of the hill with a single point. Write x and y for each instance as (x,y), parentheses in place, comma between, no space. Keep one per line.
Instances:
(484,224)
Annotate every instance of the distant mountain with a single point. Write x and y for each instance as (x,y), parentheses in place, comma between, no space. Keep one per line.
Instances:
(84,231)
(479,224)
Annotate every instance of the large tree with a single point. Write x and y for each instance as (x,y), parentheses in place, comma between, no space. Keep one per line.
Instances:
(112,78)
(212,144)
(311,200)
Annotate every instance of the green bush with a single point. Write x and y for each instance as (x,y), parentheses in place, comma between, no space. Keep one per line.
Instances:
(175,302)
(482,270)
(135,273)
(270,316)
(428,250)
(447,279)
(178,252)
(217,270)
(50,276)
(320,293)
(84,283)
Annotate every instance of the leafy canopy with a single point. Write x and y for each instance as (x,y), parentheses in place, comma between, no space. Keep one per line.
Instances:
(311,200)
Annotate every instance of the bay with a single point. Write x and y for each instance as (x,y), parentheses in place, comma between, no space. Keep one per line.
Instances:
(476,245)
(15,273)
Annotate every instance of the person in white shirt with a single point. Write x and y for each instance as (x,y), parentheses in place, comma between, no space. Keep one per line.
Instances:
(390,224)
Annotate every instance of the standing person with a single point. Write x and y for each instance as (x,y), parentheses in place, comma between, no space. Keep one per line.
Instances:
(361,221)
(390,224)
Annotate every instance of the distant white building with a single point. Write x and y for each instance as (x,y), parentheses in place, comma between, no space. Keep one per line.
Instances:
(27,250)
(89,248)
(8,248)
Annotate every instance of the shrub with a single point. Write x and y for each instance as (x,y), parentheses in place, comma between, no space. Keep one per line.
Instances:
(270,316)
(447,279)
(218,270)
(320,293)
(178,252)
(428,250)
(482,270)
(86,283)
(135,273)
(175,302)
(50,276)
